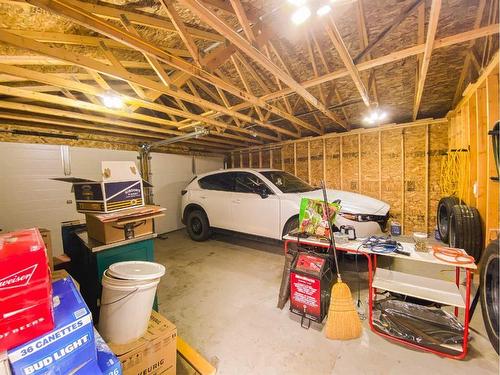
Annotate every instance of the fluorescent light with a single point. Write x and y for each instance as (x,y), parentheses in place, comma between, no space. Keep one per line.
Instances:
(301,15)
(298,3)
(112,100)
(324,9)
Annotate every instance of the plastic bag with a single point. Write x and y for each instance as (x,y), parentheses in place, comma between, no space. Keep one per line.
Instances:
(313,218)
(422,325)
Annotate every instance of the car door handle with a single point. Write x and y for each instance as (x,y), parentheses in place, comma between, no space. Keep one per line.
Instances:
(237,201)
(203,197)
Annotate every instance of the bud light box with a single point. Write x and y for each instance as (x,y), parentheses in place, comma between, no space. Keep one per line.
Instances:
(121,187)
(25,288)
(108,363)
(69,348)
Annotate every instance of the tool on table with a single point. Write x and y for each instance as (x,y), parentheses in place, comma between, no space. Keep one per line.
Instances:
(343,321)
(349,231)
(383,245)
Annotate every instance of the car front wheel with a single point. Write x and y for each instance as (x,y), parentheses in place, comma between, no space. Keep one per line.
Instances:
(197,226)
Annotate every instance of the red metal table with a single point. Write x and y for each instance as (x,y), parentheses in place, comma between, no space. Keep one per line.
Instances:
(442,291)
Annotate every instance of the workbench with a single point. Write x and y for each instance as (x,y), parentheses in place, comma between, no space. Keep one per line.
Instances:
(443,292)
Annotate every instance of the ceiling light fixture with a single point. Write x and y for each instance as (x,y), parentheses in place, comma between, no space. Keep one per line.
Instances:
(297,3)
(112,100)
(375,117)
(323,10)
(301,15)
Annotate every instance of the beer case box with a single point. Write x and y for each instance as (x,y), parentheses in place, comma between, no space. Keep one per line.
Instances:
(121,187)
(108,363)
(154,353)
(122,225)
(25,288)
(47,240)
(69,347)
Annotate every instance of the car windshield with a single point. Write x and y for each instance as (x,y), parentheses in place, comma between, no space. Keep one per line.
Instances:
(287,183)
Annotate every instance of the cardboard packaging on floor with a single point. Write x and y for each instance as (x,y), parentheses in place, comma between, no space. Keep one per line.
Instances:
(154,353)
(67,349)
(121,187)
(45,233)
(122,225)
(25,288)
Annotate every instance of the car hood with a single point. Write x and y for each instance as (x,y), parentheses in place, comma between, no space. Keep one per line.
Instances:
(350,202)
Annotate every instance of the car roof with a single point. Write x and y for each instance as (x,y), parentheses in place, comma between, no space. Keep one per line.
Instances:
(258,170)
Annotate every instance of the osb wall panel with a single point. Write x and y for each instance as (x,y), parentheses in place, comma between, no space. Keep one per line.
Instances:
(415,179)
(277,159)
(288,158)
(254,159)
(235,160)
(350,163)
(391,171)
(302,161)
(396,174)
(265,159)
(316,147)
(438,145)
(370,179)
(332,160)
(245,160)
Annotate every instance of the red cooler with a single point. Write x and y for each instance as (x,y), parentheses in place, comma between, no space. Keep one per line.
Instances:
(25,288)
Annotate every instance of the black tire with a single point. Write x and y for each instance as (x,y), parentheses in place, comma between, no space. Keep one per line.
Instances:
(443,216)
(490,289)
(197,226)
(465,230)
(291,224)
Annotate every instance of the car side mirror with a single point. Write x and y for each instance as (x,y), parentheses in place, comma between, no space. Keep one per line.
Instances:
(262,191)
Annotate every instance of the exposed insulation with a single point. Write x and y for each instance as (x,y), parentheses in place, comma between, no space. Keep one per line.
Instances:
(265,159)
(438,145)
(254,157)
(245,160)
(277,159)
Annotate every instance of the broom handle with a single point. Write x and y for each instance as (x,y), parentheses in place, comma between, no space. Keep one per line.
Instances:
(332,239)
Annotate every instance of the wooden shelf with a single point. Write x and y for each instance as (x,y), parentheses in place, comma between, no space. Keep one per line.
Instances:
(440,291)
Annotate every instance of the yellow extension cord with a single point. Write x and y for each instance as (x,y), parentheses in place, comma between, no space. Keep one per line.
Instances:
(454,179)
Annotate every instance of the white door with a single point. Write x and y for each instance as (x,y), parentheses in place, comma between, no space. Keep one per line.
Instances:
(214,196)
(255,208)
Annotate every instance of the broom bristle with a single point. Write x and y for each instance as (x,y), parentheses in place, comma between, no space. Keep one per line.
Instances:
(343,322)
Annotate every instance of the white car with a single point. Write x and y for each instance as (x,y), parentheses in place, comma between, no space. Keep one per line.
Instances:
(265,202)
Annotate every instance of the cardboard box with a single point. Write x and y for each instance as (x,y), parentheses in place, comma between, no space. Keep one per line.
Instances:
(108,363)
(154,353)
(122,225)
(121,188)
(25,288)
(67,349)
(45,233)
(62,274)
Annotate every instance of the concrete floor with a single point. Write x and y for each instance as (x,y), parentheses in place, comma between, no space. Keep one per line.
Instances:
(222,296)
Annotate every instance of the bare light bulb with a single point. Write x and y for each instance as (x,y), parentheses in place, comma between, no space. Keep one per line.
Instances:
(301,15)
(112,100)
(323,10)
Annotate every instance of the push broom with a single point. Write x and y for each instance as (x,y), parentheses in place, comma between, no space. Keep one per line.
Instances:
(343,322)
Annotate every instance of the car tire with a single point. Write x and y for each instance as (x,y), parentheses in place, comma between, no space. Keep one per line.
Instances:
(465,230)
(490,289)
(291,224)
(443,216)
(197,226)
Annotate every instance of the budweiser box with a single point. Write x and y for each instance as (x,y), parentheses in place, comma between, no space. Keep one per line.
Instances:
(121,187)
(67,349)
(154,353)
(25,288)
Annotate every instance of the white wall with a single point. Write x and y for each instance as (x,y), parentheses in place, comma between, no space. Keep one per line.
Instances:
(28,198)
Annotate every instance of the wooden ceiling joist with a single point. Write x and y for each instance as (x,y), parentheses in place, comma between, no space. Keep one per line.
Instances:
(213,21)
(429,46)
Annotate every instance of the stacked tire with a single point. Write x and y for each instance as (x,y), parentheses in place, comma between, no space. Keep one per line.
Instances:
(490,292)
(460,226)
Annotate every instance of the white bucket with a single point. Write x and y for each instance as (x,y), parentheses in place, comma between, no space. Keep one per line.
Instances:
(128,292)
